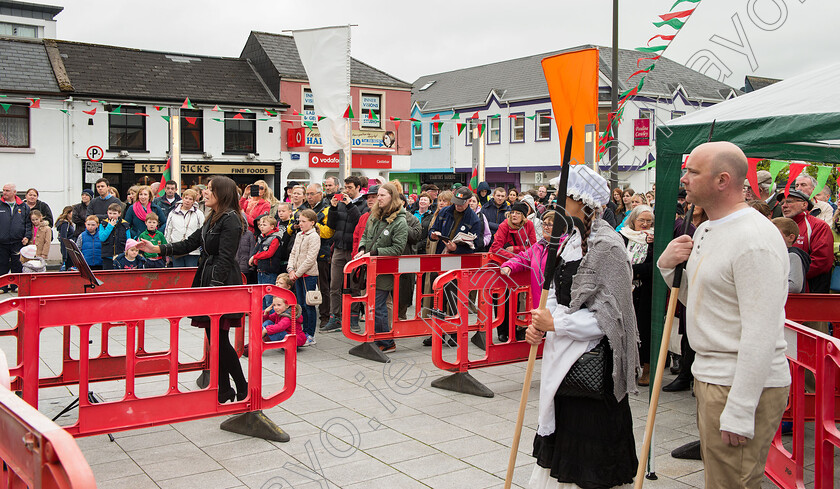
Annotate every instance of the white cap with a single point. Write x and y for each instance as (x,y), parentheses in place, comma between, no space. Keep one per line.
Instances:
(587,186)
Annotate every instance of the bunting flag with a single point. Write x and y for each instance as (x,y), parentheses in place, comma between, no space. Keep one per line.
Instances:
(397,124)
(652,58)
(512,116)
(6,107)
(675,23)
(660,36)
(650,165)
(793,171)
(775,167)
(436,117)
(652,49)
(676,15)
(118,110)
(167,175)
(141,113)
(480,130)
(269,112)
(474,179)
(310,125)
(320,118)
(456,116)
(295,112)
(187,104)
(218,120)
(436,126)
(238,116)
(418,126)
(159,108)
(460,127)
(494,116)
(531,117)
(752,176)
(165,117)
(474,116)
(90,112)
(247,111)
(287,122)
(63,110)
(191,120)
(683,1)
(36,103)
(646,70)
(214,109)
(822,178)
(348,114)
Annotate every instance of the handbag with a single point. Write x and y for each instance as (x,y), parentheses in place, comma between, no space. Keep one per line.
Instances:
(588,375)
(313,297)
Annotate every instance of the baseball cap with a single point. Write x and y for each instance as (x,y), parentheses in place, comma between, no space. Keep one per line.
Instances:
(130,243)
(796,194)
(461,196)
(28,251)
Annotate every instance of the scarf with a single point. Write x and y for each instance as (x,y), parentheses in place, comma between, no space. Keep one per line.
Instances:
(637,245)
(602,285)
(141,211)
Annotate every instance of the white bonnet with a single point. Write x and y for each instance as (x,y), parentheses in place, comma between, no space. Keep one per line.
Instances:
(587,186)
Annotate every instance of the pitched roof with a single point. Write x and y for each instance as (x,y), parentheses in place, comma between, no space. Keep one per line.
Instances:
(25,67)
(118,72)
(752,83)
(283,54)
(522,79)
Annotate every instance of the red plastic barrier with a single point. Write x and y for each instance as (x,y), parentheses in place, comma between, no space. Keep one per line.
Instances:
(37,453)
(397,266)
(488,282)
(131,308)
(820,354)
(105,366)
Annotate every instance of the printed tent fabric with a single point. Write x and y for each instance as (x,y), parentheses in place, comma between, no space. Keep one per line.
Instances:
(795,119)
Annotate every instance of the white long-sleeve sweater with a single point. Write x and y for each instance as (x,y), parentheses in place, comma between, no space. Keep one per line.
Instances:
(734,288)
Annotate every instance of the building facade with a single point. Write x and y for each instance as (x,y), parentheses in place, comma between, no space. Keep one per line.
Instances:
(381,144)
(521,143)
(28,20)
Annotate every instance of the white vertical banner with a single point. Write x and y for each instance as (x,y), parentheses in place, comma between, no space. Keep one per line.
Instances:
(325,54)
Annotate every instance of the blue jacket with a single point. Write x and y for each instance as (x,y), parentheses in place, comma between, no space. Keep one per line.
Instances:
(122,263)
(14,222)
(91,247)
(443,225)
(137,225)
(495,214)
(113,243)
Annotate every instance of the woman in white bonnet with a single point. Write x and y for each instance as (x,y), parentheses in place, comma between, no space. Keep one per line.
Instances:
(583,442)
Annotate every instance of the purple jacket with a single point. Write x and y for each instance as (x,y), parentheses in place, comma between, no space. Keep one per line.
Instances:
(532,259)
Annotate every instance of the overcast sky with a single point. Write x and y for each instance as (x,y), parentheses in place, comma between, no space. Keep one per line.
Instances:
(408,40)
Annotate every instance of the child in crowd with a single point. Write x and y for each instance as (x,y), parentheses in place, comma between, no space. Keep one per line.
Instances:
(278,320)
(247,245)
(131,259)
(32,263)
(284,282)
(89,244)
(266,255)
(66,229)
(114,234)
(800,261)
(41,234)
(153,260)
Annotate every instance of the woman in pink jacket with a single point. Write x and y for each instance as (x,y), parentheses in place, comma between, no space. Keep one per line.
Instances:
(515,234)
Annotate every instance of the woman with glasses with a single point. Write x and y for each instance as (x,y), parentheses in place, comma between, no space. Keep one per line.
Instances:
(638,237)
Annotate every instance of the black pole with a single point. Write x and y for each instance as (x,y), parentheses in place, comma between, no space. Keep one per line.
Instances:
(614,100)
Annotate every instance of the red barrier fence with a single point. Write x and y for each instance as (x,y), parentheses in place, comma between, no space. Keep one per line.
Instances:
(105,366)
(34,451)
(398,266)
(819,354)
(514,289)
(129,309)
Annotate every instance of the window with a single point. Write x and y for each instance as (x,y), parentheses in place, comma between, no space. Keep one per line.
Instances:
(14,126)
(471,124)
(434,134)
(302,177)
(676,114)
(371,116)
(308,111)
(192,131)
(517,128)
(494,130)
(240,134)
(603,117)
(126,130)
(417,135)
(543,126)
(649,114)
(16,30)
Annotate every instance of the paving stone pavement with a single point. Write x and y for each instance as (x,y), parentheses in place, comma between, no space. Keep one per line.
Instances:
(353,423)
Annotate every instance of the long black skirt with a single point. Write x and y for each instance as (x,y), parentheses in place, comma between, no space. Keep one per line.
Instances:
(592,445)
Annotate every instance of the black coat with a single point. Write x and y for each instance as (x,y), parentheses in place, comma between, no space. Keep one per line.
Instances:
(45,211)
(343,219)
(79,214)
(495,214)
(217,265)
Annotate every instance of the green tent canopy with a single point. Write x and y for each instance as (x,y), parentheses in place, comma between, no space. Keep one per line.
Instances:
(798,118)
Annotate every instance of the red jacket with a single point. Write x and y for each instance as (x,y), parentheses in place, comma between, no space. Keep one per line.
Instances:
(358,232)
(818,242)
(282,322)
(262,207)
(521,239)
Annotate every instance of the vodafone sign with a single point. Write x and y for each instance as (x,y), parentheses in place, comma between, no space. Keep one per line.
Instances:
(318,160)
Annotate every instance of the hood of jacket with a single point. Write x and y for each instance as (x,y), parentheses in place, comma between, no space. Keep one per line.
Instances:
(528,199)
(483,186)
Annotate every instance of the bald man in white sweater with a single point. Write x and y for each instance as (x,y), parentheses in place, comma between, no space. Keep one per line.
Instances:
(734,289)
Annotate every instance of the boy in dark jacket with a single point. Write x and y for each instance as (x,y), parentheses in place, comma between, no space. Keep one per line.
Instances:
(114,234)
(152,234)
(496,210)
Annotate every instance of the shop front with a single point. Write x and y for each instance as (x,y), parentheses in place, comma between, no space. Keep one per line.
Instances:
(123,175)
(444,180)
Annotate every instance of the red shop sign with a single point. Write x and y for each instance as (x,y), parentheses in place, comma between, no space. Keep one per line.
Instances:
(318,160)
(296,138)
(641,132)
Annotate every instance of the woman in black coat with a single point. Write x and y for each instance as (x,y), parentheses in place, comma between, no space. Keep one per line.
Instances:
(217,267)
(638,238)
